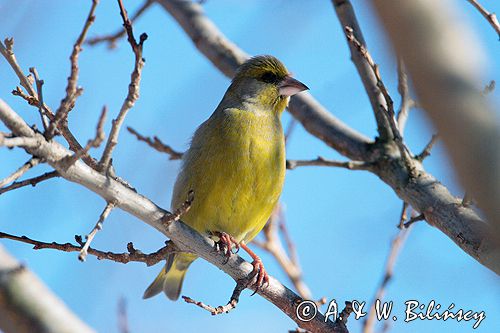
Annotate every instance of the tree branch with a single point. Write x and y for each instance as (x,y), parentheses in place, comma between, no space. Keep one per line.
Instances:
(442,60)
(288,262)
(31,181)
(233,301)
(157,144)
(111,39)
(320,161)
(133,255)
(19,172)
(490,17)
(33,99)
(347,18)
(396,246)
(406,101)
(27,305)
(98,226)
(133,89)
(72,91)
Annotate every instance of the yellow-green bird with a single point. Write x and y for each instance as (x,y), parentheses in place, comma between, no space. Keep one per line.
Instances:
(235,166)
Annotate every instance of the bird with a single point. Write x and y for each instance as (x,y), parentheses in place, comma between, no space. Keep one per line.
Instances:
(235,167)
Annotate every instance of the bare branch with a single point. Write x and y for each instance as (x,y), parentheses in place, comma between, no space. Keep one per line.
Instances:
(98,226)
(32,98)
(427,149)
(31,181)
(389,105)
(443,59)
(19,172)
(8,54)
(39,84)
(490,17)
(133,89)
(17,142)
(403,217)
(27,305)
(133,255)
(414,219)
(111,39)
(92,143)
(179,211)
(347,18)
(406,101)
(320,161)
(397,245)
(72,91)
(157,144)
(233,301)
(288,262)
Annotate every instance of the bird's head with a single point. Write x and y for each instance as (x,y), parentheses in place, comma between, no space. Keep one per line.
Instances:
(265,81)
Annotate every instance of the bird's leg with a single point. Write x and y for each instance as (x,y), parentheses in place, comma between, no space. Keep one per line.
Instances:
(258,268)
(225,243)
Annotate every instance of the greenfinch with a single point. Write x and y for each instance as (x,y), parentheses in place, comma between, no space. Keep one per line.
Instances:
(235,166)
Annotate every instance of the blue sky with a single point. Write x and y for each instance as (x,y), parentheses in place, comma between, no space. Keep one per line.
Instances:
(341,221)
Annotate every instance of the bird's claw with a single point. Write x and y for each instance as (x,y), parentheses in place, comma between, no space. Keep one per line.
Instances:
(258,272)
(225,244)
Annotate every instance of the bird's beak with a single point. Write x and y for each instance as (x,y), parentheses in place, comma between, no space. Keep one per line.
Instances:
(290,86)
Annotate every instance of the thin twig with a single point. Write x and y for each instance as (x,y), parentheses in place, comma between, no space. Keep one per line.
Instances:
(32,98)
(490,17)
(111,39)
(397,244)
(157,144)
(347,18)
(489,87)
(31,181)
(406,101)
(320,161)
(39,85)
(92,143)
(181,210)
(414,219)
(346,312)
(391,116)
(20,141)
(98,226)
(290,245)
(427,149)
(19,172)
(72,91)
(8,53)
(133,89)
(288,262)
(133,255)
(404,216)
(233,301)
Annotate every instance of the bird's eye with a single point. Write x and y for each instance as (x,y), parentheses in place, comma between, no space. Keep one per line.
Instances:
(269,77)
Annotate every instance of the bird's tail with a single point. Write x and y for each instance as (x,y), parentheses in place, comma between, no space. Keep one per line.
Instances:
(171,276)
